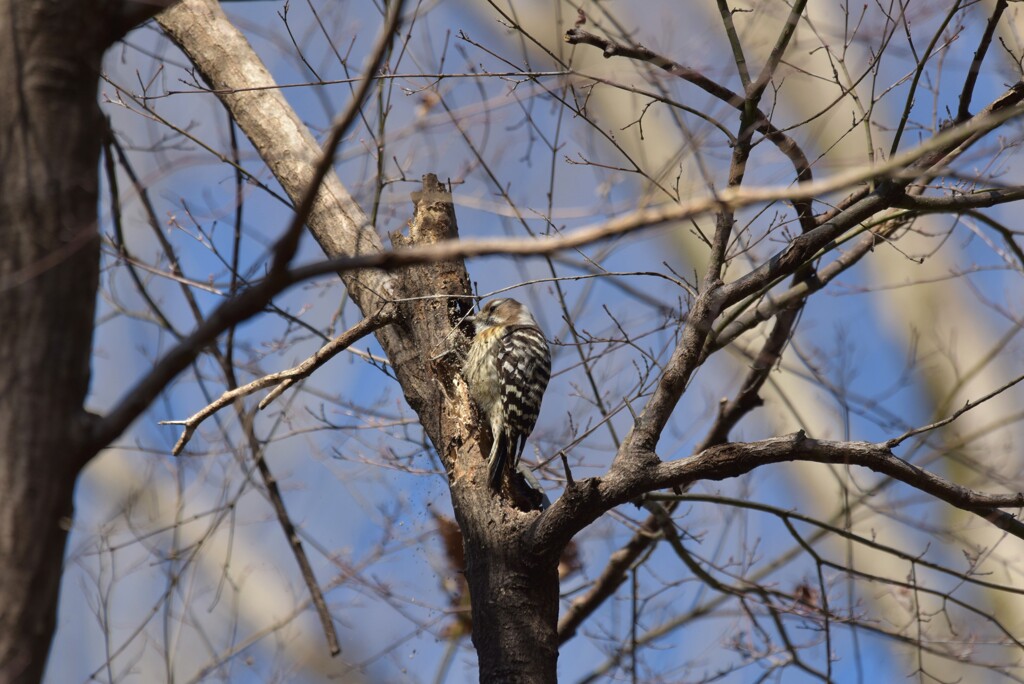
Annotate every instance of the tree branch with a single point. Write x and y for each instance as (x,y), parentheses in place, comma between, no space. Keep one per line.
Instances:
(785,262)
(202,30)
(964,110)
(283,379)
(592,497)
(896,441)
(747,106)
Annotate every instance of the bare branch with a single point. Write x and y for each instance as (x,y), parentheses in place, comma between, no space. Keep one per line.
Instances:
(228,63)
(964,110)
(283,379)
(896,441)
(286,246)
(785,262)
(592,497)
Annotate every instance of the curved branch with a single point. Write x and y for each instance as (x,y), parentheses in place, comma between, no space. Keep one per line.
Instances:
(282,379)
(732,460)
(588,499)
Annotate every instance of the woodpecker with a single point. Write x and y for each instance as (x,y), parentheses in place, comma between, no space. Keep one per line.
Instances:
(507,370)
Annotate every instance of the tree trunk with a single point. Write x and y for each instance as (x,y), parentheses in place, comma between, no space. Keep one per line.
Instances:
(515,608)
(50,130)
(513,590)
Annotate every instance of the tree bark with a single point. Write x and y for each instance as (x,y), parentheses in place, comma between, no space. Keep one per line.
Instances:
(513,589)
(50,128)
(514,598)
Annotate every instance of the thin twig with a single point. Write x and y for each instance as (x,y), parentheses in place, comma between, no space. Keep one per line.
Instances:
(896,441)
(964,110)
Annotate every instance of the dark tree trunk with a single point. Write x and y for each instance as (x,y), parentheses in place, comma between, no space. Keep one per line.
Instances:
(50,127)
(515,608)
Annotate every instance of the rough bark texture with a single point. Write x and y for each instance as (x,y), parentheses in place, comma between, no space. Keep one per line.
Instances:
(49,269)
(514,597)
(513,590)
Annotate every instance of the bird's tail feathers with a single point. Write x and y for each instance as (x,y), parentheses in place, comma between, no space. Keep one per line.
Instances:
(496,464)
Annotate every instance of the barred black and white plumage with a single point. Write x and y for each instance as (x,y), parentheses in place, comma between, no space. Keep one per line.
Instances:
(507,368)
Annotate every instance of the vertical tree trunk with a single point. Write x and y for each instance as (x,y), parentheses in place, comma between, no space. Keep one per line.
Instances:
(515,609)
(49,270)
(513,590)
